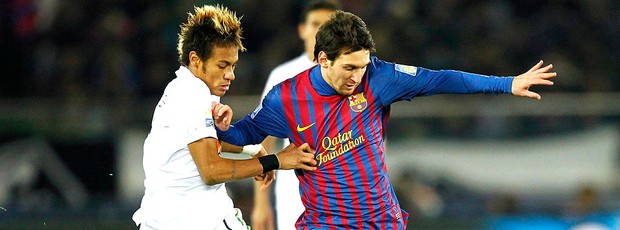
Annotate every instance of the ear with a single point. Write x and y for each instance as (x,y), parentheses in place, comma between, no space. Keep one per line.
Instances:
(194,60)
(322,59)
(301,31)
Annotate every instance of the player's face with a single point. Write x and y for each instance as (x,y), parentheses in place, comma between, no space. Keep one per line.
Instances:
(218,70)
(345,73)
(307,30)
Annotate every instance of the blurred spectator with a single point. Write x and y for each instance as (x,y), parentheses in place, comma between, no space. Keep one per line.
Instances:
(118,46)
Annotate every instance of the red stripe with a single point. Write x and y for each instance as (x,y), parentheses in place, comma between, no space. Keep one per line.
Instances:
(289,112)
(303,102)
(287,102)
(329,122)
(365,191)
(377,135)
(315,178)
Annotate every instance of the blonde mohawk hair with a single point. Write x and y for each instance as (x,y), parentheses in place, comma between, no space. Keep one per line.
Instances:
(208,26)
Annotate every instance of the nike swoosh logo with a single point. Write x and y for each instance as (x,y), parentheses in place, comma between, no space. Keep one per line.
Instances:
(301,129)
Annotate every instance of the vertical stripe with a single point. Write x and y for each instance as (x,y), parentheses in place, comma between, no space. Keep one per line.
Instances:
(355,170)
(308,116)
(352,190)
(289,112)
(373,134)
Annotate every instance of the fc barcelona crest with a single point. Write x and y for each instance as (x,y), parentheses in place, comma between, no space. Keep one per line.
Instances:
(358,102)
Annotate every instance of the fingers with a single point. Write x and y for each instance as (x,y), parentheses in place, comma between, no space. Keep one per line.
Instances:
(269,178)
(548,75)
(305,147)
(535,67)
(218,110)
(222,114)
(260,177)
(544,82)
(308,159)
(532,95)
(265,184)
(307,167)
(545,69)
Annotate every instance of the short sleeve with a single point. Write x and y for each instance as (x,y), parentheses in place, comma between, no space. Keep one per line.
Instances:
(199,123)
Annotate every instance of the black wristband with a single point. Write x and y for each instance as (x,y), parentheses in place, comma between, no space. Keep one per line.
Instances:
(269,162)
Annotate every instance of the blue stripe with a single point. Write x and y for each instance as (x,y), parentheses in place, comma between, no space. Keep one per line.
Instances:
(296,106)
(312,118)
(281,112)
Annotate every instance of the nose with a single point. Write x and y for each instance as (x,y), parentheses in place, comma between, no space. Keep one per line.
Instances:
(357,75)
(229,74)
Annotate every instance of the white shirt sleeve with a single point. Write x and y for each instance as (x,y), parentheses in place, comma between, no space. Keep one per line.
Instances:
(199,119)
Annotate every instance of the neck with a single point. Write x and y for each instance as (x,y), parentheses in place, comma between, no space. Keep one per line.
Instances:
(193,70)
(310,56)
(325,77)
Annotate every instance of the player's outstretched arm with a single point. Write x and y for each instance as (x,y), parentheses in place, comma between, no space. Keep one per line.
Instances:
(535,76)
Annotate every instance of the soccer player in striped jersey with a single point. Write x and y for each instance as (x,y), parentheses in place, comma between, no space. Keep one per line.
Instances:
(340,107)
(287,203)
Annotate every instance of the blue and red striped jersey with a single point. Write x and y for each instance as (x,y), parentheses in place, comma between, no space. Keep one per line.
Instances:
(350,189)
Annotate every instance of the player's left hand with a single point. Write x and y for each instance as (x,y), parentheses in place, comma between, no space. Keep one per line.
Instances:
(266,178)
(535,76)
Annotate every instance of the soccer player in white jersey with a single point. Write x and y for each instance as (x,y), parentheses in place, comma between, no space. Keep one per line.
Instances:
(184,185)
(288,204)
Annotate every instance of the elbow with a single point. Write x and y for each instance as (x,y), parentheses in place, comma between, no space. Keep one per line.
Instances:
(211,177)
(210,180)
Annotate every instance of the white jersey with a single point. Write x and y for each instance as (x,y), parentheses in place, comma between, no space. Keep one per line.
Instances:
(175,195)
(288,200)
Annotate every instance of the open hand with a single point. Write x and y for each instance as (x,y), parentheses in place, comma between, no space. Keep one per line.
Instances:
(535,76)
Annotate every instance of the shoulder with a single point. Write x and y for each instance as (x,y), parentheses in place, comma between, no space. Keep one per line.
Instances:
(291,68)
(188,89)
(379,68)
(377,64)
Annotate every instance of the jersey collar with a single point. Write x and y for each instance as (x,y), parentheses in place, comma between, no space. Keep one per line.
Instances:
(183,72)
(319,84)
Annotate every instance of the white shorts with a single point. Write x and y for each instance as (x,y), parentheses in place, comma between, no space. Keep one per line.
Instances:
(233,221)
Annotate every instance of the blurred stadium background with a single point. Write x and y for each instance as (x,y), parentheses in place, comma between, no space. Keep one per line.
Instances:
(80,80)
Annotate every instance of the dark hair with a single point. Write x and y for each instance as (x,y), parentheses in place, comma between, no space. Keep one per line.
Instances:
(344,33)
(207,27)
(330,5)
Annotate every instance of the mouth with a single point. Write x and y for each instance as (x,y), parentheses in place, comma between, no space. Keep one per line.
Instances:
(224,87)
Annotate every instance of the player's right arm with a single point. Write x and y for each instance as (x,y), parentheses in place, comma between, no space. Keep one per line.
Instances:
(214,169)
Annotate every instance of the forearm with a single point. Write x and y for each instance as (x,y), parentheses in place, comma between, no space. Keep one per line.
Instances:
(231,170)
(458,82)
(214,169)
(261,197)
(226,147)
(269,144)
(476,83)
(241,133)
